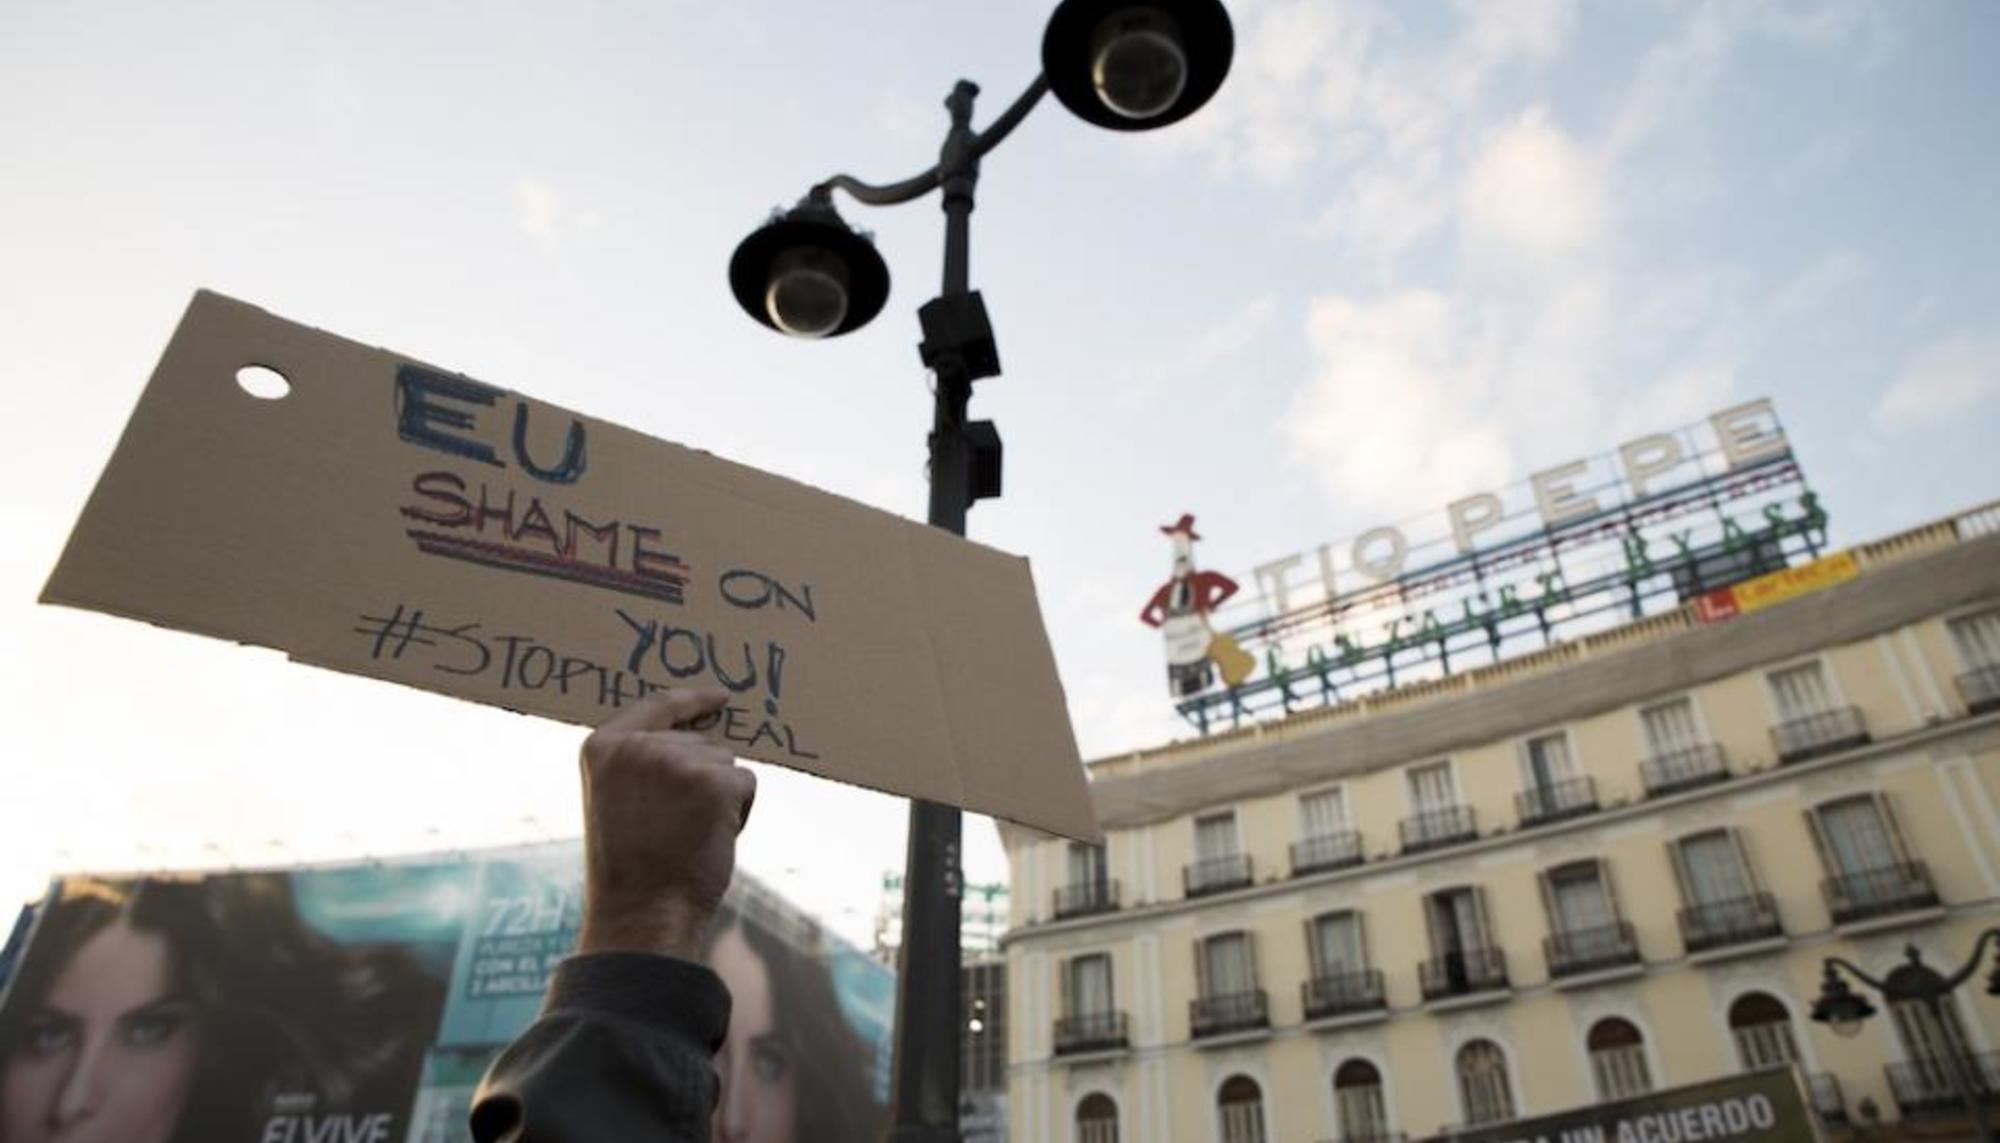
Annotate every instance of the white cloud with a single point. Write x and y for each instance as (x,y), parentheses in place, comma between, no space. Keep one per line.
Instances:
(1532,196)
(1239,329)
(1819,283)
(1940,381)
(542,213)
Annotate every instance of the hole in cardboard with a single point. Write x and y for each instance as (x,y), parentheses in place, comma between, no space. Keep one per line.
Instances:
(263,382)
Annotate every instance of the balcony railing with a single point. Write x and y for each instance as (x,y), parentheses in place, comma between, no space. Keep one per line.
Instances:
(1342,993)
(1370,1137)
(1923,1086)
(1684,769)
(1879,892)
(1328,851)
(1085,898)
(1463,973)
(1433,829)
(1229,1012)
(1572,797)
(1980,688)
(1823,1089)
(1817,734)
(1591,950)
(1091,1032)
(1216,874)
(1732,921)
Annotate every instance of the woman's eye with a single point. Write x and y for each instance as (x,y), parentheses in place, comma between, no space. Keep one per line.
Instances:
(771,1063)
(150,1030)
(45,1037)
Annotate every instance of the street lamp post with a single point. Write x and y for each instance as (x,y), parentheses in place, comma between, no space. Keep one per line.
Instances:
(1122,64)
(1843,1009)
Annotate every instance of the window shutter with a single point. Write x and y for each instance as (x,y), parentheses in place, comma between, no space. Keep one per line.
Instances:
(1679,865)
(1067,984)
(1750,877)
(1201,967)
(1610,889)
(1361,939)
(1250,955)
(1431,905)
(1888,813)
(1547,886)
(1314,955)
(1819,844)
(1485,917)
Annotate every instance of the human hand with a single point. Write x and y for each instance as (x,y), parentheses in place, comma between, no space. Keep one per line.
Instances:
(662,806)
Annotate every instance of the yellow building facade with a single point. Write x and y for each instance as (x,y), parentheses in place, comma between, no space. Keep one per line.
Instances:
(1605,868)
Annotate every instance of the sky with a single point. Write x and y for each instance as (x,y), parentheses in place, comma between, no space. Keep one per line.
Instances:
(1410,252)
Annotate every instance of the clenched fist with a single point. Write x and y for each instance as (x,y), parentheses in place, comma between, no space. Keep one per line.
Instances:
(662,806)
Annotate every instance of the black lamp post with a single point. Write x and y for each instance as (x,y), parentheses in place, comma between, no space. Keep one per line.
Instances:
(1843,1009)
(1123,64)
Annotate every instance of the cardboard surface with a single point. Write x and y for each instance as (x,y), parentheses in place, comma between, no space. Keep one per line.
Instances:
(395,520)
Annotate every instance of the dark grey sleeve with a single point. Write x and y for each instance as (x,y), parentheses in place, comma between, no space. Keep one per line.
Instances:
(624,1049)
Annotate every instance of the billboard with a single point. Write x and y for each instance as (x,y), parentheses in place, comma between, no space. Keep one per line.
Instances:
(362,1003)
(1660,523)
(1760,1107)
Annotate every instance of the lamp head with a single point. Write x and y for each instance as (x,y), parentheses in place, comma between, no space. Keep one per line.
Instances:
(806,273)
(1840,1007)
(1131,65)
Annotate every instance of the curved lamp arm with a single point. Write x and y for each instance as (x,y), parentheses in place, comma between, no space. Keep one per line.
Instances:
(1834,961)
(916,186)
(1972,962)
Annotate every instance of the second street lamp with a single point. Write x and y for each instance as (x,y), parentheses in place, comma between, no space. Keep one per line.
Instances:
(1843,1009)
(1119,64)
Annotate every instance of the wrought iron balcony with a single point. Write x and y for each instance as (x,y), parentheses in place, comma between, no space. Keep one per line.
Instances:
(1684,769)
(1980,688)
(1731,921)
(1228,1012)
(1091,1032)
(1216,874)
(1823,1089)
(1085,898)
(1879,892)
(1817,734)
(1923,1086)
(1591,950)
(1434,829)
(1342,993)
(1463,973)
(1370,1137)
(1327,851)
(1572,797)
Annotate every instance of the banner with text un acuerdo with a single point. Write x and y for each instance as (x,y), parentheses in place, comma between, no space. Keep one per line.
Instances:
(361,1003)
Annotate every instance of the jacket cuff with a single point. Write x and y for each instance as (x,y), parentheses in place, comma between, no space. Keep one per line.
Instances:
(661,991)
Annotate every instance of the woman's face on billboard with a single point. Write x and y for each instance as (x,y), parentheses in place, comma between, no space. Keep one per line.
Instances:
(759,1092)
(109,1055)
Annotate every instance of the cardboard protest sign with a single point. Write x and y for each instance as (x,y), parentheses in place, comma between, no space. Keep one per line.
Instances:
(392,519)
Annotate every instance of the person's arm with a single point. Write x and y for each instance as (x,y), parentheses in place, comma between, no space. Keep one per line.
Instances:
(624,1047)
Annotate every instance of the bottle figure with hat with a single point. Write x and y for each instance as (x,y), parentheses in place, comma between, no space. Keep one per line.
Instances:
(1180,609)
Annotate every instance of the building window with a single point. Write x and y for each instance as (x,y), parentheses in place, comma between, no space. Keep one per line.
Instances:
(1463,956)
(1670,728)
(1763,1032)
(1323,813)
(1482,1084)
(1215,837)
(1869,869)
(1925,1078)
(1723,904)
(1431,788)
(1977,638)
(1097,1119)
(1801,692)
(1357,1098)
(1337,945)
(1547,761)
(1618,1059)
(1086,864)
(1227,967)
(1241,1104)
(1087,985)
(1577,900)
